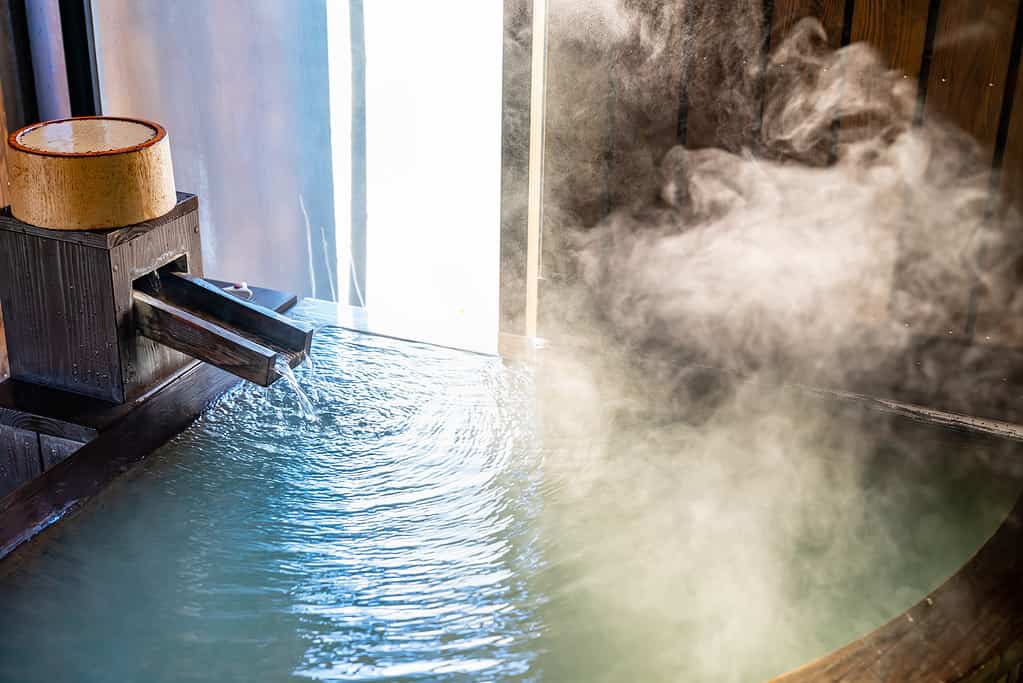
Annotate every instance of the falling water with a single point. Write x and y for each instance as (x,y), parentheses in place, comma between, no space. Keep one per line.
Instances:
(305,405)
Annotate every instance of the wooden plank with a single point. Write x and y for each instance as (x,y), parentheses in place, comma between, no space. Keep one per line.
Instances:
(179,329)
(103,239)
(971,60)
(70,484)
(251,320)
(57,306)
(135,252)
(787,13)
(54,450)
(19,458)
(896,29)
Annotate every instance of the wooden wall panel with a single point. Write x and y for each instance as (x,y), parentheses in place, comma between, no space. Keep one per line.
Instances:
(971,60)
(787,14)
(896,29)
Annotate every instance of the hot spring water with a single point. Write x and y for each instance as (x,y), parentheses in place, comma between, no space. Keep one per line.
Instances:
(435,523)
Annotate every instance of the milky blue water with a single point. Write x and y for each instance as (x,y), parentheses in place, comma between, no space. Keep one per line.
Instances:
(439,522)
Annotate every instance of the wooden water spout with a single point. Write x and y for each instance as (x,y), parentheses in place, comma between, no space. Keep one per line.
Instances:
(191,315)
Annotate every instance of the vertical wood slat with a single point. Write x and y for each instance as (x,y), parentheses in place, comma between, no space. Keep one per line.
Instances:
(971,60)
(144,362)
(836,17)
(787,13)
(3,202)
(19,458)
(896,29)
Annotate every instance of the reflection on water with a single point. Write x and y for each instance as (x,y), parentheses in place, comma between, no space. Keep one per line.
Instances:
(436,524)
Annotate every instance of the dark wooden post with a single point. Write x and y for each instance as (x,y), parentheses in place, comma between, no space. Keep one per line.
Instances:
(4,370)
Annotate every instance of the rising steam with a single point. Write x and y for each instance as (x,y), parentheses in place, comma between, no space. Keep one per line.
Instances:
(719,528)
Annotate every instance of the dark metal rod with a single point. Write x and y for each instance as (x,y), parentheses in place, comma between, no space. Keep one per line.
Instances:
(933,12)
(1008,99)
(80,57)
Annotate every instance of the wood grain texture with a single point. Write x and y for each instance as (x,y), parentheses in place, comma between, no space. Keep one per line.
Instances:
(93,190)
(137,251)
(250,320)
(103,239)
(971,60)
(19,458)
(896,29)
(58,307)
(180,329)
(53,450)
(787,13)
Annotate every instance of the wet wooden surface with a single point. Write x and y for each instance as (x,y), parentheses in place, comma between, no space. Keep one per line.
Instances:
(58,307)
(179,329)
(134,252)
(104,239)
(67,300)
(214,304)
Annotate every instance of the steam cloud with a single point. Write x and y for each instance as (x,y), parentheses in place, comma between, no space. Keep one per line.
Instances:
(811,245)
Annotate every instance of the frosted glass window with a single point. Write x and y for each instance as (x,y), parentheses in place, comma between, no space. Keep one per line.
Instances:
(290,117)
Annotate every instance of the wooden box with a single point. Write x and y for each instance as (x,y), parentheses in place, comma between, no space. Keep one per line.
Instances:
(66,298)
